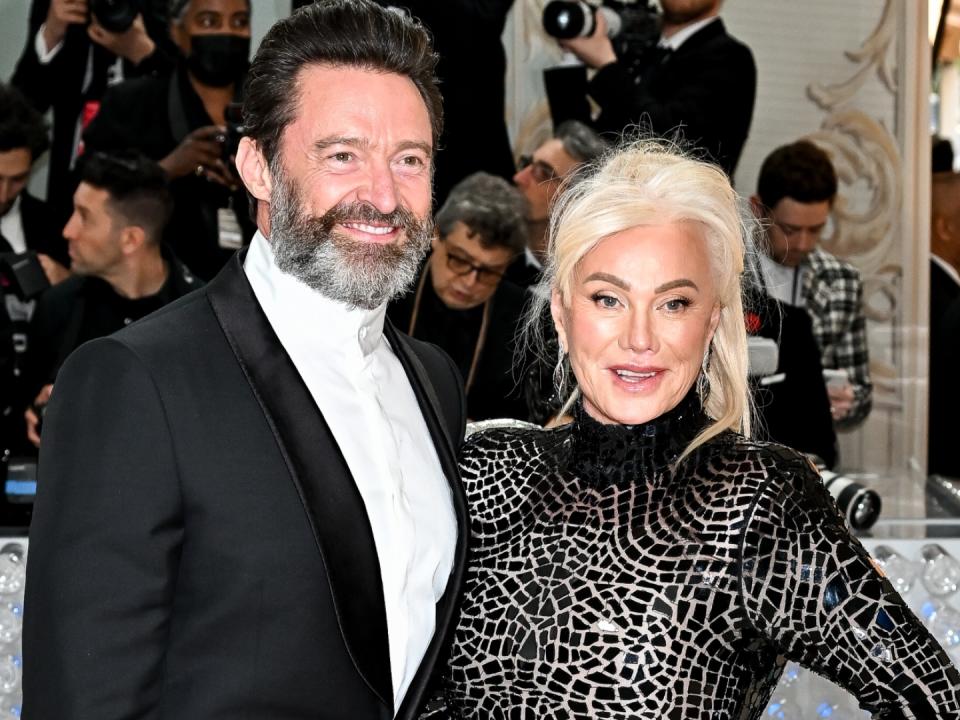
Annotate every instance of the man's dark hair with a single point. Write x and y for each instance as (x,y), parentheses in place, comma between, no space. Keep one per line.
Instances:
(800,171)
(178,8)
(344,33)
(21,126)
(580,141)
(137,187)
(490,207)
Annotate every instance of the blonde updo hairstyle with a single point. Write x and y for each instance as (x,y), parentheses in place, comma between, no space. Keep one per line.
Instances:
(654,183)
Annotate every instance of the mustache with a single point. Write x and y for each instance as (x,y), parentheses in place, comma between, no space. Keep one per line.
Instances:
(361,212)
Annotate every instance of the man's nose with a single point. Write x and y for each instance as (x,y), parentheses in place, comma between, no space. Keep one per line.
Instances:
(380,189)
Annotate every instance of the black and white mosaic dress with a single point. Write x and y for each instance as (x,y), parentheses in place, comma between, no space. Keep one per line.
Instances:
(608,581)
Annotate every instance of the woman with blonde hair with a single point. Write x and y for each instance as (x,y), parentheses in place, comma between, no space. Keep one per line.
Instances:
(649,560)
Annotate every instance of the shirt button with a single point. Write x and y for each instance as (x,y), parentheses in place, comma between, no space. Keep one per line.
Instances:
(127,321)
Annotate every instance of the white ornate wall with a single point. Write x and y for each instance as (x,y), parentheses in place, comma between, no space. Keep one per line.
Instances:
(854,76)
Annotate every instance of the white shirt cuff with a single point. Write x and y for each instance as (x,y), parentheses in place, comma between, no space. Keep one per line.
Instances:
(40,45)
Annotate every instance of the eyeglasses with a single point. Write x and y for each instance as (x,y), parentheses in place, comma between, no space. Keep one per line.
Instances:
(539,169)
(460,265)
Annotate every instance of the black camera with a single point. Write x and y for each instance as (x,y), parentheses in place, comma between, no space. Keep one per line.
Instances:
(115,16)
(21,274)
(566,19)
(859,505)
(235,130)
(633,27)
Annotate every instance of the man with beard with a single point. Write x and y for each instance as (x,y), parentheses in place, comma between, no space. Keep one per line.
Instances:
(258,511)
(179,120)
(698,81)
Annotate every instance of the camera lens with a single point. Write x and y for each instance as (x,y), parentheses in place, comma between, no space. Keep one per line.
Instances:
(860,505)
(115,15)
(566,19)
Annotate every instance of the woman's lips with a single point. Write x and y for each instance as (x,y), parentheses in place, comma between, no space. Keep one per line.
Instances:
(636,379)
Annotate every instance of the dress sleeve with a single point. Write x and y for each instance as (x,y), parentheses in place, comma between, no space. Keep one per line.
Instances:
(811,590)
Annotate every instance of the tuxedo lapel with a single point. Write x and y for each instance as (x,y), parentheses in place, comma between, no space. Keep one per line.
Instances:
(333,504)
(424,391)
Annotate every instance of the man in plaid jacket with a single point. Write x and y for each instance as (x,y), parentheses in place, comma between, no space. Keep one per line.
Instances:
(795,193)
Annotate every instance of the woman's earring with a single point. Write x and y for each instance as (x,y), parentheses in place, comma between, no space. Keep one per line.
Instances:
(560,372)
(703,379)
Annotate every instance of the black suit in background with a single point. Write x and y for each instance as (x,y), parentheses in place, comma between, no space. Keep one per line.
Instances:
(795,411)
(153,115)
(59,85)
(706,89)
(41,230)
(943,455)
(471,71)
(199,548)
(42,235)
(496,391)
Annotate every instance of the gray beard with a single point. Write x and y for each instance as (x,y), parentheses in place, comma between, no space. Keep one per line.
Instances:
(361,275)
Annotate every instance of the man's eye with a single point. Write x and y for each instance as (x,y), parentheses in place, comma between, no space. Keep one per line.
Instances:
(342,157)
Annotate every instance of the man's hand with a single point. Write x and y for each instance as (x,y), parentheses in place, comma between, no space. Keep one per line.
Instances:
(841,400)
(33,420)
(201,154)
(62,13)
(54,271)
(133,44)
(595,50)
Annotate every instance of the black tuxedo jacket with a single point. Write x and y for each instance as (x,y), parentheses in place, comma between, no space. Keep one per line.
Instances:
(706,89)
(199,548)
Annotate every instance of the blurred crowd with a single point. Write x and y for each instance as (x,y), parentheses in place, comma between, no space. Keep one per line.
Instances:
(143,204)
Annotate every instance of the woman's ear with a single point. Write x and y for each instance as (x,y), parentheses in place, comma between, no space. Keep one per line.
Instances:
(559,314)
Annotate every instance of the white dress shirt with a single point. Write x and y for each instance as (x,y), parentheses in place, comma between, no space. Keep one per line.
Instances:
(783,283)
(367,400)
(949,269)
(681,36)
(11,228)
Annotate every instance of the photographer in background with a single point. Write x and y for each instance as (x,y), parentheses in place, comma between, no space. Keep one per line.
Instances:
(697,79)
(121,271)
(180,121)
(68,62)
(25,225)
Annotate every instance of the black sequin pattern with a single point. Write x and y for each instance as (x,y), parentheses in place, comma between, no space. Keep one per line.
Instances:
(608,580)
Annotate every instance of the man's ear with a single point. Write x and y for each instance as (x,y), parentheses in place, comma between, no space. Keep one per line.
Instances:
(132,238)
(253,170)
(558,313)
(757,206)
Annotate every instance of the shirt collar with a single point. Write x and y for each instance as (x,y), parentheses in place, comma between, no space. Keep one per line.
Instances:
(947,268)
(681,36)
(298,313)
(12,215)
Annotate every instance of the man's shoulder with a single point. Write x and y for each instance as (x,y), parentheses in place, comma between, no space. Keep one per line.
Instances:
(186,323)
(825,265)
(714,39)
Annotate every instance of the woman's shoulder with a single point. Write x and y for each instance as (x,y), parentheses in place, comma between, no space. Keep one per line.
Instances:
(496,441)
(760,462)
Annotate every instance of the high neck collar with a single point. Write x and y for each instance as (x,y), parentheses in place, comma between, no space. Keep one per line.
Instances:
(610,454)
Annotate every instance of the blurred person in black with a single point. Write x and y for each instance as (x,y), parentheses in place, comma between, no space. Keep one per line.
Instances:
(179,120)
(472,72)
(25,225)
(944,389)
(67,64)
(697,79)
(796,189)
(120,270)
(460,301)
(539,178)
